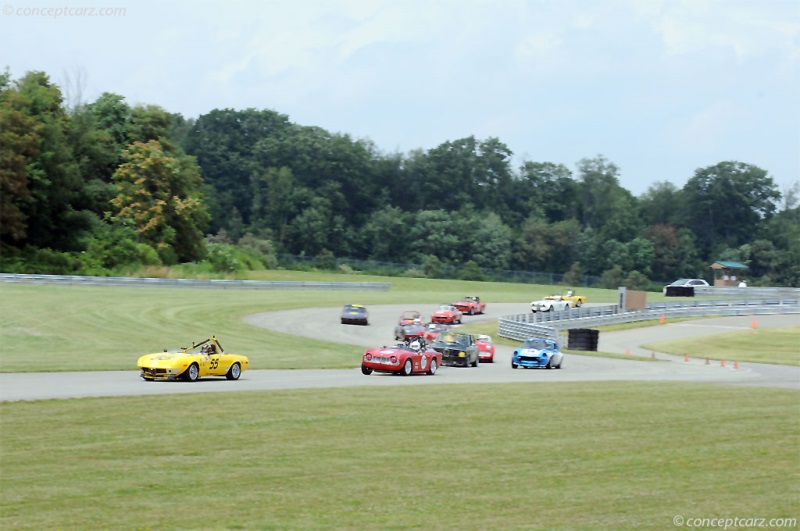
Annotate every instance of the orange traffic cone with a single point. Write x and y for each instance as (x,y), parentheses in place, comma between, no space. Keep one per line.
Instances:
(722,362)
(627,352)
(685,357)
(735,364)
(753,324)
(662,319)
(707,362)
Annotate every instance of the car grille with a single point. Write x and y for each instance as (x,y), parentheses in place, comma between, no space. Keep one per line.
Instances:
(381,359)
(153,372)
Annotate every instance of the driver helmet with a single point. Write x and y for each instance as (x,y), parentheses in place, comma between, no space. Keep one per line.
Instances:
(416,345)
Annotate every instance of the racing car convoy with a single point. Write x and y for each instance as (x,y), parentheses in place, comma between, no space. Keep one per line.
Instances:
(422,350)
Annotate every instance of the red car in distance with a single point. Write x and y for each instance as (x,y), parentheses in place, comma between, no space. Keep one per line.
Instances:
(433,330)
(410,316)
(471,305)
(485,348)
(405,359)
(447,314)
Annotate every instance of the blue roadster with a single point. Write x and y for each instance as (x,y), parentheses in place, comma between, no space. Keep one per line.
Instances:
(537,352)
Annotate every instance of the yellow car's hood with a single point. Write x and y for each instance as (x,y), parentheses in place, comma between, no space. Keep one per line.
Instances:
(161,359)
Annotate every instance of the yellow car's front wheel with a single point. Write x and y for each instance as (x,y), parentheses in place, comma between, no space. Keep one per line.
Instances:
(192,373)
(234,372)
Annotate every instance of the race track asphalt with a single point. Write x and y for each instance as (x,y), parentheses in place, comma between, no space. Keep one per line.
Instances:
(324,323)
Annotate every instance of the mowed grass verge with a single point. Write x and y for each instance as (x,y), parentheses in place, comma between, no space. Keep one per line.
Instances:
(519,456)
(779,346)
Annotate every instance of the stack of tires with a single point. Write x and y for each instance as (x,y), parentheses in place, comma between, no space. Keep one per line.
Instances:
(583,339)
(679,291)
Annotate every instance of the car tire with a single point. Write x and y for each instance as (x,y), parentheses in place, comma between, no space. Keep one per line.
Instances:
(472,311)
(366,371)
(559,364)
(476,362)
(432,368)
(234,372)
(192,373)
(407,367)
(578,303)
(513,365)
(549,364)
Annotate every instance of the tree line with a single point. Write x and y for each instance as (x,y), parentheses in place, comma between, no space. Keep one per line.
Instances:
(107,187)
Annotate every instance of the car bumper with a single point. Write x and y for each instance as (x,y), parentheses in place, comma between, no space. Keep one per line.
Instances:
(529,363)
(148,373)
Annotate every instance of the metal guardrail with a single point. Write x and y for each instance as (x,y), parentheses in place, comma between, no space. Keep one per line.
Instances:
(551,324)
(747,293)
(75,280)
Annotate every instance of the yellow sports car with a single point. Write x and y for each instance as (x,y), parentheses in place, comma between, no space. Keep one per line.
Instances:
(206,358)
(575,301)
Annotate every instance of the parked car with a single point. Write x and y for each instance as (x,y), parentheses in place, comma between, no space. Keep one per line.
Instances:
(206,358)
(485,348)
(470,305)
(355,314)
(685,283)
(457,348)
(446,313)
(537,352)
(405,358)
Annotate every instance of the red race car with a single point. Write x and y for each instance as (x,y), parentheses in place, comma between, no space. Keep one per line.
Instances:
(406,358)
(485,348)
(471,305)
(410,316)
(433,330)
(446,313)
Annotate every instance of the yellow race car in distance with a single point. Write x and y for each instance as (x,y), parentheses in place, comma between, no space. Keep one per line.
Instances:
(575,301)
(206,358)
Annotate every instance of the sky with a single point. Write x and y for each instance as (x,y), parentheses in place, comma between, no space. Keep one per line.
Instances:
(660,88)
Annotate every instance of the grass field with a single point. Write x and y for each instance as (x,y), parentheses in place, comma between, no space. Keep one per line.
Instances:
(520,456)
(779,346)
(594,455)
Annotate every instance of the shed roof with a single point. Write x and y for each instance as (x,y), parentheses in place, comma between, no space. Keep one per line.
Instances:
(721,264)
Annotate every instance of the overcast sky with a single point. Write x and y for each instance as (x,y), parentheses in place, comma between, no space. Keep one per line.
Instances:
(659,87)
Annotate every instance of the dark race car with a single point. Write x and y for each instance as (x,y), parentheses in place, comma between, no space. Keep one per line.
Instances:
(407,358)
(409,331)
(355,314)
(457,348)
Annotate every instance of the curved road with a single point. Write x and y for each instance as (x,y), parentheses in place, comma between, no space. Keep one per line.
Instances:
(324,322)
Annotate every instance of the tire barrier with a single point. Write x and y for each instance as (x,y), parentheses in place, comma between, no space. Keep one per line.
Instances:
(583,339)
(679,291)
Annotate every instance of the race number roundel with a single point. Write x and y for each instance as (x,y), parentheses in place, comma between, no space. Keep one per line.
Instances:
(424,361)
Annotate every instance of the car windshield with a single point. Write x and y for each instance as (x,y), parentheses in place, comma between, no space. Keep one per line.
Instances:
(681,282)
(445,307)
(450,339)
(536,343)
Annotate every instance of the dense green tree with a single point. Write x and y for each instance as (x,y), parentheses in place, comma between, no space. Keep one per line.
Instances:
(158,194)
(726,202)
(19,142)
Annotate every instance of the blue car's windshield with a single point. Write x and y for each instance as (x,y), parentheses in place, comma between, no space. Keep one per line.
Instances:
(535,343)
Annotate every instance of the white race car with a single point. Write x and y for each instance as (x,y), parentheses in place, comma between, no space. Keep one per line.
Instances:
(553,303)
